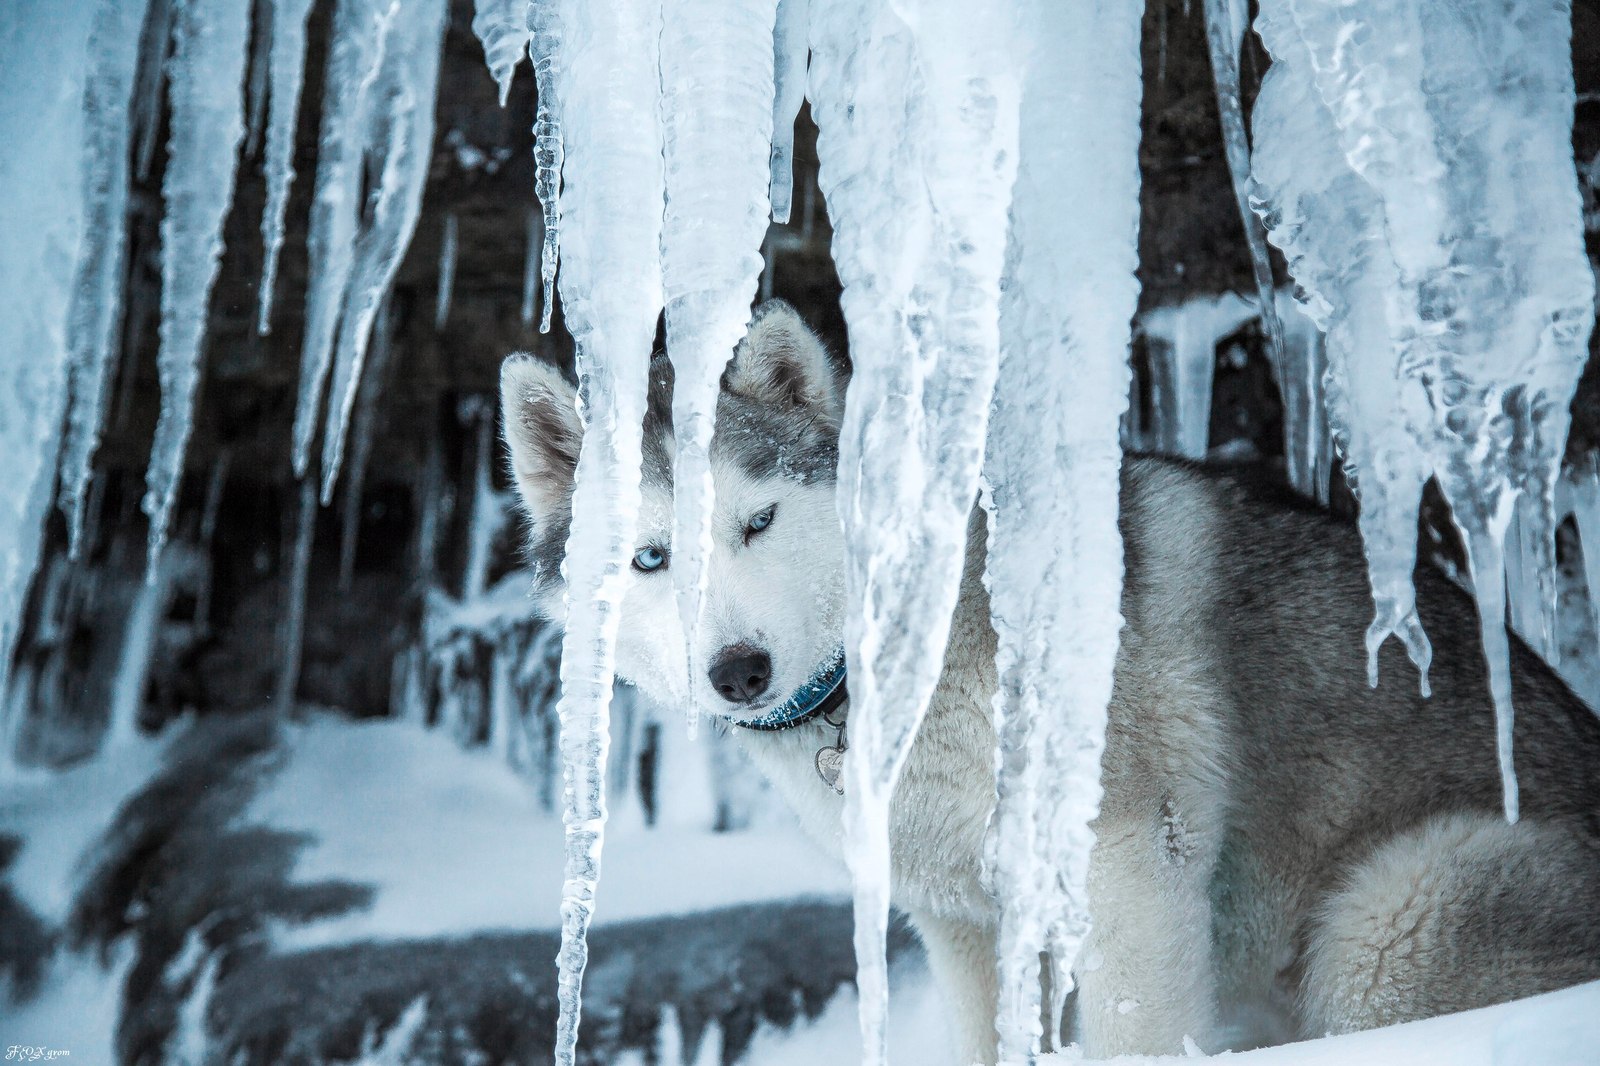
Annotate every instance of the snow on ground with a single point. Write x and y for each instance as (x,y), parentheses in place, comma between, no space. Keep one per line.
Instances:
(1556,1029)
(454,842)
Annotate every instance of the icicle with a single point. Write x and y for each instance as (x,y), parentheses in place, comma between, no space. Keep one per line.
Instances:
(502,26)
(44,58)
(360,29)
(292,621)
(716,99)
(1052,469)
(530,269)
(365,427)
(1420,156)
(1183,366)
(791,48)
(139,643)
(210,45)
(261,34)
(610,80)
(1307,441)
(917,121)
(545,50)
(1226,21)
(287,62)
(155,43)
(488,513)
(402,128)
(97,296)
(447,273)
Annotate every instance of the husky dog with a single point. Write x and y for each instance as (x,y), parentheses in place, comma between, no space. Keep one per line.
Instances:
(1274,835)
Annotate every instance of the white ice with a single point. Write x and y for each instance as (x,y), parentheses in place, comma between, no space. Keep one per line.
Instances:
(96,316)
(44,63)
(502,26)
(211,43)
(716,104)
(1052,474)
(608,69)
(287,63)
(916,107)
(1416,164)
(544,50)
(791,50)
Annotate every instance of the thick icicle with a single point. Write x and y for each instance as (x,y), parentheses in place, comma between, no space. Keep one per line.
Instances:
(97,297)
(716,101)
(502,26)
(611,289)
(211,42)
(360,29)
(447,273)
(791,47)
(1226,21)
(44,58)
(401,135)
(1055,555)
(288,64)
(917,120)
(1452,124)
(545,50)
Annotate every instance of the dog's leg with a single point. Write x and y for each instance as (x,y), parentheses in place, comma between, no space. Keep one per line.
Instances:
(961,956)
(1462,912)
(1145,978)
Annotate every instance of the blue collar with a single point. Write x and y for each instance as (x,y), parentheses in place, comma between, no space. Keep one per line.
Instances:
(820,695)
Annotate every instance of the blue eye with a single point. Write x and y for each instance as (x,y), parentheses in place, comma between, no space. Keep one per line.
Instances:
(647,559)
(759,522)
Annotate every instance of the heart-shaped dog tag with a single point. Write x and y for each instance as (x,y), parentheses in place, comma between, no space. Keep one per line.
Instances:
(830,765)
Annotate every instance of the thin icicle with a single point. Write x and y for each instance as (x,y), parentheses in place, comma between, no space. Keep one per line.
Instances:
(368,415)
(502,26)
(1226,21)
(155,43)
(402,131)
(1052,466)
(261,34)
(611,291)
(791,47)
(287,62)
(917,119)
(545,50)
(360,30)
(292,620)
(530,268)
(447,273)
(488,512)
(716,102)
(96,317)
(211,42)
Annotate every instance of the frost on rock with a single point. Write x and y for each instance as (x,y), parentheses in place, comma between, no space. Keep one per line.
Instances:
(1415,165)
(1052,474)
(791,47)
(502,26)
(390,126)
(211,43)
(44,62)
(609,85)
(716,102)
(96,313)
(544,50)
(287,63)
(916,107)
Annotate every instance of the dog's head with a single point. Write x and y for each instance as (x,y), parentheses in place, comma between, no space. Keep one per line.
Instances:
(774,600)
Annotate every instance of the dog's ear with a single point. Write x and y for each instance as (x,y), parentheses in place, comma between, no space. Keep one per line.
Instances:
(539,410)
(780,361)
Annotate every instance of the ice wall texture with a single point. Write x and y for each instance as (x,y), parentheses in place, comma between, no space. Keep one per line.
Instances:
(1414,163)
(1051,470)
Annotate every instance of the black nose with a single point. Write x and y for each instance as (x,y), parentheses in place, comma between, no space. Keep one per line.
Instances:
(741,674)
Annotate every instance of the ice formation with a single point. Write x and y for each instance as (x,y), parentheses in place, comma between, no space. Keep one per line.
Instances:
(916,108)
(716,106)
(1181,343)
(502,26)
(447,273)
(1415,165)
(544,49)
(1052,474)
(292,625)
(608,69)
(95,318)
(41,124)
(211,42)
(287,62)
(791,49)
